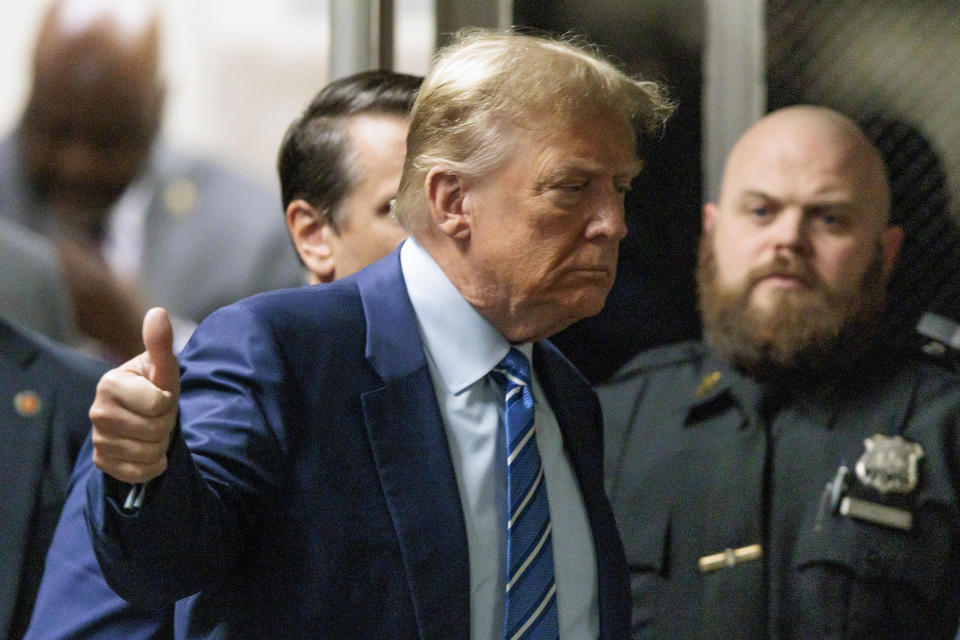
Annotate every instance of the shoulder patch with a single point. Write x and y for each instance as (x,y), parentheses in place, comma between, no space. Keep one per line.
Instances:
(659,358)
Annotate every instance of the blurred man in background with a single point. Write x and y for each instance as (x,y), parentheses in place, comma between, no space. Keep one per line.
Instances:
(135,223)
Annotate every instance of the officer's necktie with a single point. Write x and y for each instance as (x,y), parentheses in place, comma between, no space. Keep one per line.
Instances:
(531,595)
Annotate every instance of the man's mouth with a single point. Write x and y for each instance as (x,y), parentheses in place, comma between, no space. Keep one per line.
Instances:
(785,280)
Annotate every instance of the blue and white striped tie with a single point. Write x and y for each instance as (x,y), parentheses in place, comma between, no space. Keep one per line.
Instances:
(531,596)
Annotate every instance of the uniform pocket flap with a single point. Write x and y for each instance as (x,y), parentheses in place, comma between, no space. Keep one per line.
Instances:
(875,553)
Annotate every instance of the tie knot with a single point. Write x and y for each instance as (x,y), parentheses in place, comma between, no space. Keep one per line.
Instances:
(514,367)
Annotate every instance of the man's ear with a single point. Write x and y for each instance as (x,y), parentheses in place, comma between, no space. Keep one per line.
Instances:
(444,190)
(709,216)
(890,241)
(310,231)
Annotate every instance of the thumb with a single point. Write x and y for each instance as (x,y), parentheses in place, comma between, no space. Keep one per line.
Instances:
(164,370)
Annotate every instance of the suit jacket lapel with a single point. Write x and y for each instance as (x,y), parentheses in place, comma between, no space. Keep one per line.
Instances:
(578,415)
(413,461)
(25,432)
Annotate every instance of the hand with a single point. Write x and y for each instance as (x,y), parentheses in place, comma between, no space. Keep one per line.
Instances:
(105,309)
(135,409)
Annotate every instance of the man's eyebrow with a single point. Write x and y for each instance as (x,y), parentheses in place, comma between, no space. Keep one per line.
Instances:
(755,195)
(577,167)
(827,201)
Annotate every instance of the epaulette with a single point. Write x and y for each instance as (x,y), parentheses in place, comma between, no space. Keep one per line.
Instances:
(659,358)
(941,339)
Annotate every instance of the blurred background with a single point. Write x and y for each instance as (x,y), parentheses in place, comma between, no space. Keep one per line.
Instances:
(238,71)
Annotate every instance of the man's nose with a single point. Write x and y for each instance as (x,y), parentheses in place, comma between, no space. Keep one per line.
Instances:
(608,220)
(789,232)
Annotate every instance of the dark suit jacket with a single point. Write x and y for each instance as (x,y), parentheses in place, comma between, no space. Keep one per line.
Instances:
(45,393)
(320,498)
(74,600)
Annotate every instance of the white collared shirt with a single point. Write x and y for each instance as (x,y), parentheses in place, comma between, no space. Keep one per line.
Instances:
(462,347)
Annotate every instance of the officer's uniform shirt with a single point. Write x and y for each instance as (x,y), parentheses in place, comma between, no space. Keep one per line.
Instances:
(703,462)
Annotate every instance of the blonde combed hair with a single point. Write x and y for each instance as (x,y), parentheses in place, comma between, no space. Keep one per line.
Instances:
(486,84)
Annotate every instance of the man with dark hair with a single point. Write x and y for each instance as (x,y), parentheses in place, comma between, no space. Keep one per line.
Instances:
(377,457)
(339,167)
(790,477)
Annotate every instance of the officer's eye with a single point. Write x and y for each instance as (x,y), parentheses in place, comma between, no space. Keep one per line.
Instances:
(832,220)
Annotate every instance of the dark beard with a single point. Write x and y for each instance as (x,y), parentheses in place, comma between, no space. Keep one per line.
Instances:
(812,335)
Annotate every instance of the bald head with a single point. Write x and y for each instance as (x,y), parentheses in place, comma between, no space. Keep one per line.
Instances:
(798,249)
(814,144)
(94,106)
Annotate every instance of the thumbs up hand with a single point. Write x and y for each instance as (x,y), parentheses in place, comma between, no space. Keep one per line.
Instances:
(135,408)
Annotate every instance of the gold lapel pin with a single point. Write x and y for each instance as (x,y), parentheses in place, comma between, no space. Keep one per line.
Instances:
(27,403)
(180,197)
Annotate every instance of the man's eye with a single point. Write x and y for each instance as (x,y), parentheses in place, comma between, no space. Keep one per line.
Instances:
(835,223)
(759,212)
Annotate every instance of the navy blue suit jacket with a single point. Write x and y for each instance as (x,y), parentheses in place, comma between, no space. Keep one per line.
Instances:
(310,490)
(74,601)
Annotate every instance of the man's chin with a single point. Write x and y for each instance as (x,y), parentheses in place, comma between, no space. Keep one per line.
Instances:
(584,304)
(591,300)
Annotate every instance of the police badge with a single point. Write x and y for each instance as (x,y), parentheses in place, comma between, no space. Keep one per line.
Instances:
(889,465)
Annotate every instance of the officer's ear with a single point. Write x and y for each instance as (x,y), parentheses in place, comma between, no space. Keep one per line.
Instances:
(709,216)
(890,242)
(310,230)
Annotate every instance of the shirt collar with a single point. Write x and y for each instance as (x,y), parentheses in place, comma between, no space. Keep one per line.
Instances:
(461,343)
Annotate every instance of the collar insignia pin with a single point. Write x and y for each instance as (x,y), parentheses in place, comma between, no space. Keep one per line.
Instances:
(889,465)
(708,383)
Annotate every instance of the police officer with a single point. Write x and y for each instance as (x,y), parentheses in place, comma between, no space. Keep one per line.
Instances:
(787,478)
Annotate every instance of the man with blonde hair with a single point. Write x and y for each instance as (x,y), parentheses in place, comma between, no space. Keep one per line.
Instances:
(376,457)
(790,477)
(339,166)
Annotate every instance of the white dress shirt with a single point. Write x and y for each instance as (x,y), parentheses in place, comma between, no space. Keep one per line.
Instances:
(462,347)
